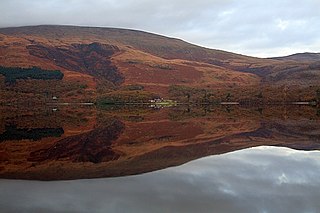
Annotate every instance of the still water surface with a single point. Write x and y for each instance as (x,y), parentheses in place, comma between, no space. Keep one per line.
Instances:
(186,159)
(261,179)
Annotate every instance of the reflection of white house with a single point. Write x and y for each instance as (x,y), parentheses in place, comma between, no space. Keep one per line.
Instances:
(157,100)
(54,98)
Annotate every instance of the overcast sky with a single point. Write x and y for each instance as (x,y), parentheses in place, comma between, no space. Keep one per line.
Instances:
(252,27)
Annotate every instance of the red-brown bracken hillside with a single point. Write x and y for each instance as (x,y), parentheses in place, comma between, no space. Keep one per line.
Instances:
(130,65)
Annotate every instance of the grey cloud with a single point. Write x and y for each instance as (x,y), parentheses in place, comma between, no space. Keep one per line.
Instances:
(249,27)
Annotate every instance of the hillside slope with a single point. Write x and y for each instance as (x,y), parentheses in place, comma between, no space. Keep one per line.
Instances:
(100,61)
(302,57)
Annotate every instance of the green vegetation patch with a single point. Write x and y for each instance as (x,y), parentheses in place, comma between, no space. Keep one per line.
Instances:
(126,97)
(185,94)
(133,87)
(162,66)
(13,73)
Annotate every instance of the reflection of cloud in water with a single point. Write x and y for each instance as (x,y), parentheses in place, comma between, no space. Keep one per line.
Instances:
(263,179)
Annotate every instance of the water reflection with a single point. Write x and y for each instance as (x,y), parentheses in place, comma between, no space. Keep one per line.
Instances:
(93,146)
(86,142)
(261,179)
(13,133)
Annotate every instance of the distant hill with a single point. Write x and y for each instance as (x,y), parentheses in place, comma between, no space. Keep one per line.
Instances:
(107,61)
(302,57)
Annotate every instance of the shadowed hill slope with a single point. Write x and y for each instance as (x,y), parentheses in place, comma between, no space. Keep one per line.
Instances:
(169,48)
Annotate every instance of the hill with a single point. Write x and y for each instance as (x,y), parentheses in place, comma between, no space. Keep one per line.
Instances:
(303,57)
(130,65)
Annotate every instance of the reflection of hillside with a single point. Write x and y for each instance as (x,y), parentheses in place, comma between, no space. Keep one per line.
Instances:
(93,146)
(158,130)
(125,141)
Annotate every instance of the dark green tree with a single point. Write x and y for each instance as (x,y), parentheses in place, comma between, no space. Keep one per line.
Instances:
(11,74)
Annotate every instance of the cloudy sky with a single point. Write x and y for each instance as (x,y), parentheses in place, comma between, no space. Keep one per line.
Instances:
(252,27)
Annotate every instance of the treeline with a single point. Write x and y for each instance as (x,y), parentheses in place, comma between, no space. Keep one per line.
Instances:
(267,94)
(123,97)
(185,94)
(11,74)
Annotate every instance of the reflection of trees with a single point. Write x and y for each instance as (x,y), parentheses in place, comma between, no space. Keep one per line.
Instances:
(37,117)
(94,146)
(229,111)
(14,133)
(237,112)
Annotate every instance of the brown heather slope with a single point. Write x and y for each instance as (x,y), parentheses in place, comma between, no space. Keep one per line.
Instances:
(306,57)
(105,59)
